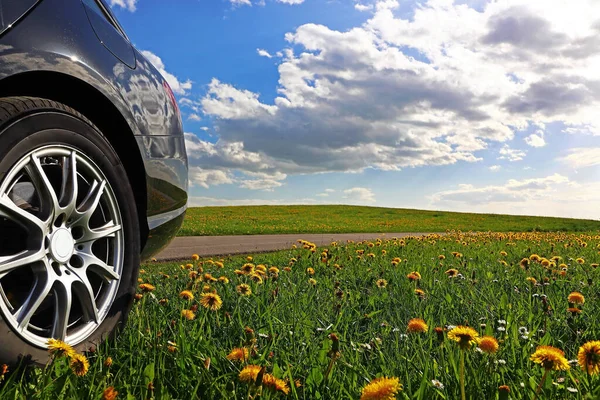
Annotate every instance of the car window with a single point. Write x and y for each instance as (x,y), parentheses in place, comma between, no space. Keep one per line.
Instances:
(12,10)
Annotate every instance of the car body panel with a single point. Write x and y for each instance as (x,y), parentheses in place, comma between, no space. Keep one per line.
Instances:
(57,36)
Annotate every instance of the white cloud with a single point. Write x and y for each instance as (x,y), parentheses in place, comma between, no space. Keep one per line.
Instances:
(240,2)
(495,168)
(263,181)
(582,157)
(326,193)
(506,153)
(204,128)
(177,86)
(207,178)
(194,117)
(257,171)
(359,194)
(435,86)
(292,2)
(553,195)
(536,139)
(264,53)
(128,4)
(363,7)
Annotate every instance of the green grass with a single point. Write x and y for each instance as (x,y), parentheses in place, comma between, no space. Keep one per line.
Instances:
(253,220)
(292,320)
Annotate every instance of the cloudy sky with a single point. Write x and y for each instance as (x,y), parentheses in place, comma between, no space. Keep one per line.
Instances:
(467,105)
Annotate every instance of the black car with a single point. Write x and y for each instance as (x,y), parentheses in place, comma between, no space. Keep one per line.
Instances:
(93,173)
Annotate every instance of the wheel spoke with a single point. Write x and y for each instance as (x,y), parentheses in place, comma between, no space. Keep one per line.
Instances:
(85,294)
(62,309)
(38,294)
(8,209)
(107,230)
(10,263)
(48,199)
(70,187)
(99,267)
(90,203)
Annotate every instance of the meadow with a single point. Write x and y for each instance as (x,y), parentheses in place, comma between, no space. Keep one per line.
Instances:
(405,319)
(256,220)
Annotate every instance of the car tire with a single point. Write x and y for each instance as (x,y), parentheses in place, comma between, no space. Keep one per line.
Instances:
(78,250)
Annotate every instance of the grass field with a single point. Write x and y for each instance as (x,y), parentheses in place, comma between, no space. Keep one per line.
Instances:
(251,220)
(335,319)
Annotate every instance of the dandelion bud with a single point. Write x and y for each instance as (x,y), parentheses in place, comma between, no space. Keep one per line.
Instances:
(503,391)
(439,331)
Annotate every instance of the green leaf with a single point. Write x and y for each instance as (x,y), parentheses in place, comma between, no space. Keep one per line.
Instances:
(149,373)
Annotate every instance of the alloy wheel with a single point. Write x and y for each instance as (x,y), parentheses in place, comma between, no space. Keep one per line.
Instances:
(62,246)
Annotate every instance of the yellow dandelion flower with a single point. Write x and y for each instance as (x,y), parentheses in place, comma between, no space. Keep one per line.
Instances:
(79,364)
(535,257)
(256,278)
(146,287)
(580,260)
(186,295)
(589,357)
(274,270)
(488,344)
(195,257)
(261,267)
(503,253)
(545,262)
(247,268)
(312,281)
(219,264)
(224,279)
(108,362)
(310,271)
(576,298)
(243,289)
(417,325)
(249,258)
(383,388)
(381,283)
(452,272)
(58,348)
(238,354)
(465,336)
(414,276)
(441,257)
(420,293)
(211,301)
(188,314)
(271,382)
(109,393)
(249,373)
(531,280)
(550,358)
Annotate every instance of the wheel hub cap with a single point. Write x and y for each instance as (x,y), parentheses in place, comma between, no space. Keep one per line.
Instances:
(62,245)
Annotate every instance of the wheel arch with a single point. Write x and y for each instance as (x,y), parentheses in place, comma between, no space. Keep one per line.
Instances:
(95,106)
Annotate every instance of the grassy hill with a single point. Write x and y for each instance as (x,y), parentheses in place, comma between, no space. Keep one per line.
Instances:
(251,220)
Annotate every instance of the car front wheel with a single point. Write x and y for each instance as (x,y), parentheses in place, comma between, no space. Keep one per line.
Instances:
(69,234)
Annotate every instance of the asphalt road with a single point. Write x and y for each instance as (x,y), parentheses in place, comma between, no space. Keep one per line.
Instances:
(183,247)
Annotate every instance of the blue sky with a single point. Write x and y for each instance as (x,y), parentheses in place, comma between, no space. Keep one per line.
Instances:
(466,105)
